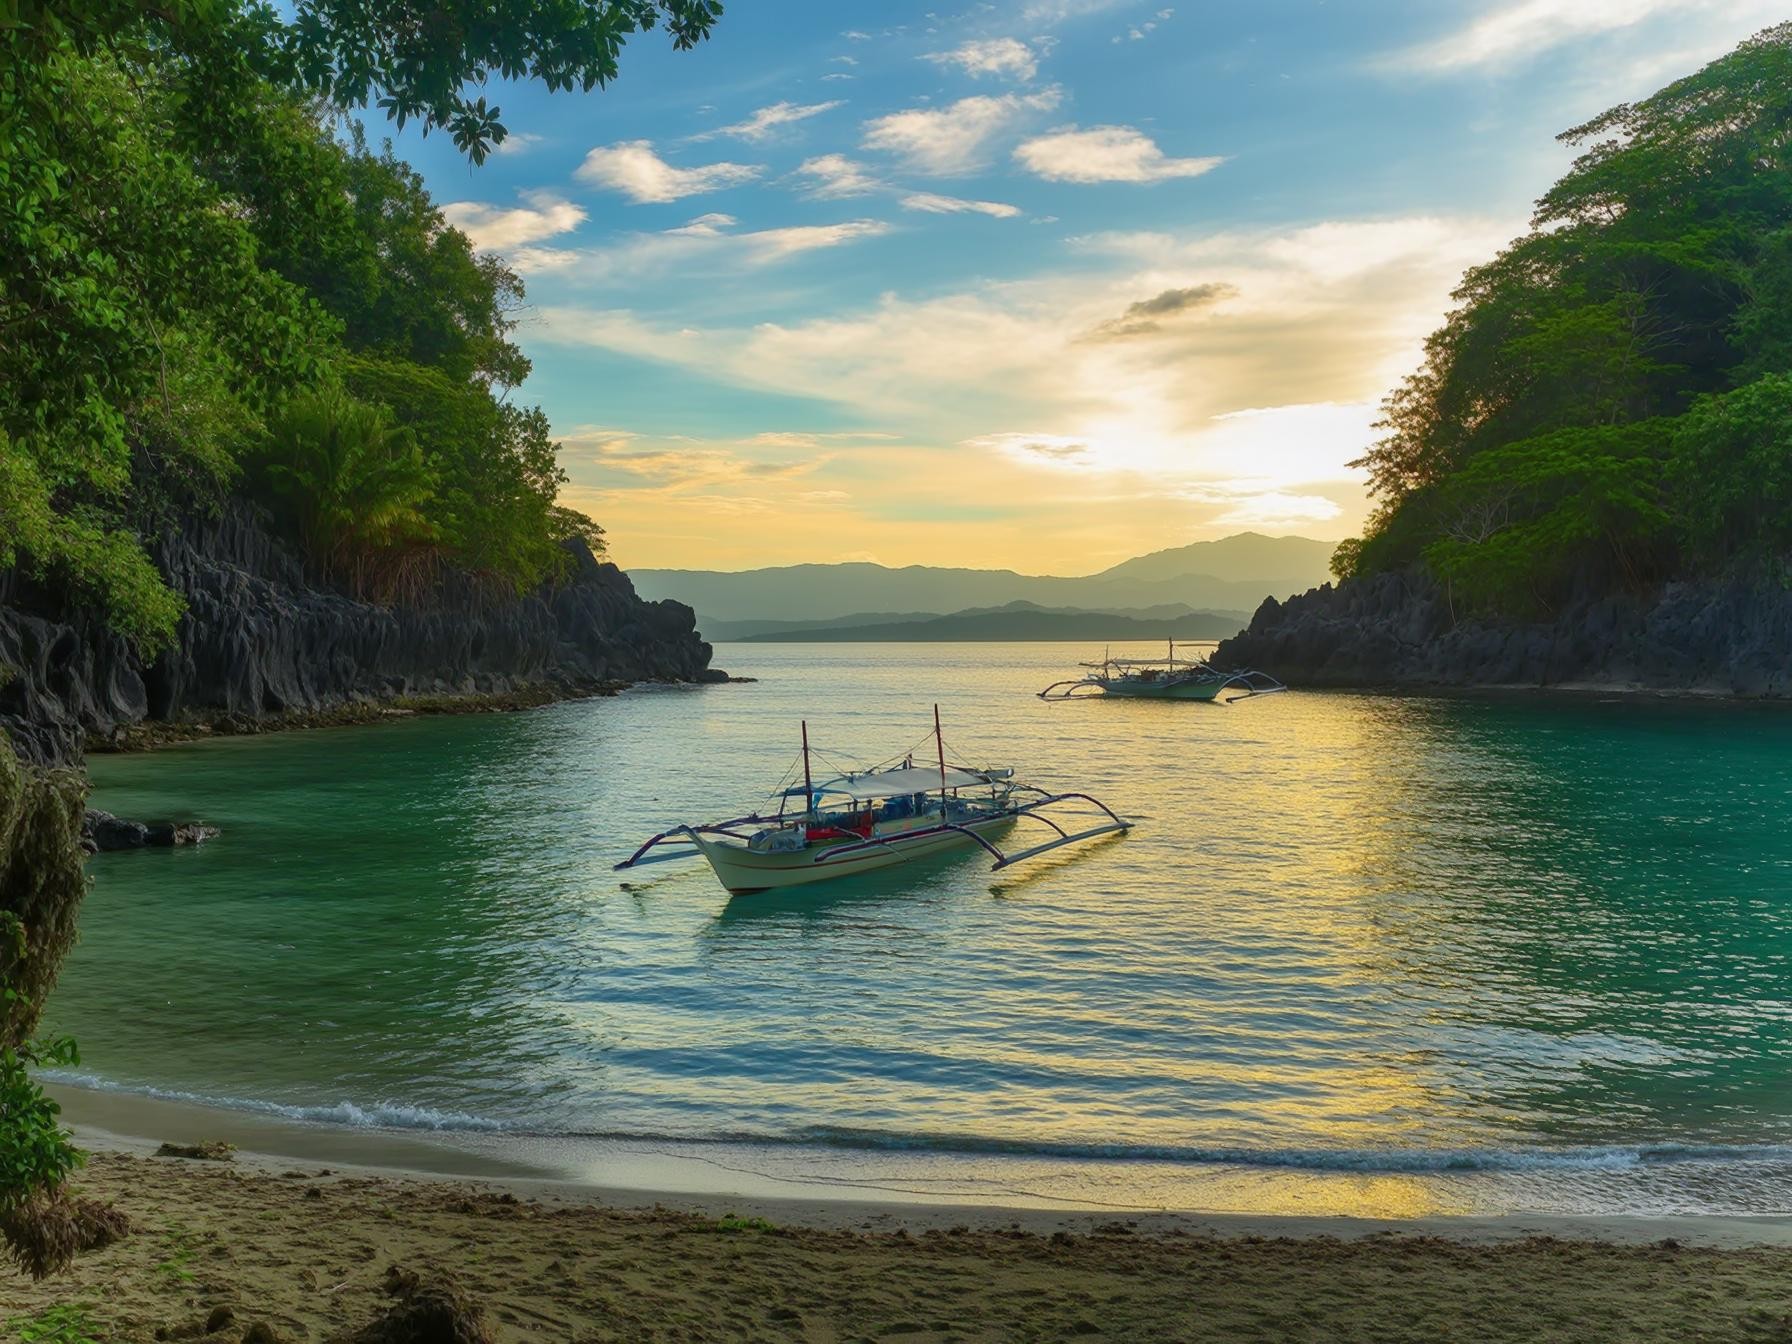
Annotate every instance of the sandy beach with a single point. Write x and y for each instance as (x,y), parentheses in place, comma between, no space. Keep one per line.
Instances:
(303,1244)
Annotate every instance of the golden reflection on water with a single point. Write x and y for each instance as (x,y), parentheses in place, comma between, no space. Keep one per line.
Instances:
(1345,929)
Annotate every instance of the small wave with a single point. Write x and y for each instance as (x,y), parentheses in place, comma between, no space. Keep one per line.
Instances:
(376,1115)
(1366,1161)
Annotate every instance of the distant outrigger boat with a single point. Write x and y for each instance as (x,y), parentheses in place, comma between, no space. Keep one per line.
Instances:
(1169,678)
(861,821)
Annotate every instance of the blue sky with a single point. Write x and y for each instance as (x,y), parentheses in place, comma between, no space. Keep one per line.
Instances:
(1038,284)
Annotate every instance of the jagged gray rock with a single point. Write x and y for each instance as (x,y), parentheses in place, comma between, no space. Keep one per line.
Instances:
(261,640)
(1730,636)
(102,832)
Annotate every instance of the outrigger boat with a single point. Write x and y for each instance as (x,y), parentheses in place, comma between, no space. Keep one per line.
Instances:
(859,821)
(1170,678)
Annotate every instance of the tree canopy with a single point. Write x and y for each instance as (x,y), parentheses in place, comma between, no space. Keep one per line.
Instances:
(202,261)
(1607,403)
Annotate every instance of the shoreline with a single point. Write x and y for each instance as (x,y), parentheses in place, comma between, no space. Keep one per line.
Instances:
(269,1250)
(627,1174)
(149,735)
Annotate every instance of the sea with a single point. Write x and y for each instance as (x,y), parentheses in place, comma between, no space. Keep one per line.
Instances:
(1361,953)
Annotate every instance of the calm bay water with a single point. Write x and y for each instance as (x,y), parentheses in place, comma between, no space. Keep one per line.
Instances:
(1540,944)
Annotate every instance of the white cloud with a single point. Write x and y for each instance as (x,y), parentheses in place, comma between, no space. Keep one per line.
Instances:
(1276,386)
(948,140)
(1104,154)
(762,123)
(708,244)
(543,260)
(517,142)
(834,175)
(776,244)
(951,205)
(633,169)
(1514,31)
(1001,56)
(1058,11)
(492,228)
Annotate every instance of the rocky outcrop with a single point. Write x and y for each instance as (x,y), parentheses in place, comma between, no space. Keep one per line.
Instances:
(101,831)
(260,641)
(1732,637)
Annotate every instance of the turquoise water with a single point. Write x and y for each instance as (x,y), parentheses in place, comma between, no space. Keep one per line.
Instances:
(1542,944)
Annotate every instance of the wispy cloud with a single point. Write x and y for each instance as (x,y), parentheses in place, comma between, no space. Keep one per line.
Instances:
(767,120)
(633,169)
(944,141)
(709,243)
(1138,32)
(775,244)
(1326,316)
(1058,11)
(933,204)
(1105,154)
(832,176)
(1512,32)
(1005,57)
(493,228)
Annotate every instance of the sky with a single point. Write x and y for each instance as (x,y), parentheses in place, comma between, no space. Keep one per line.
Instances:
(1029,284)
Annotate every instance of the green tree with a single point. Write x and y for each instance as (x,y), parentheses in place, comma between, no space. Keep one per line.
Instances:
(1732,473)
(1540,444)
(354,486)
(184,244)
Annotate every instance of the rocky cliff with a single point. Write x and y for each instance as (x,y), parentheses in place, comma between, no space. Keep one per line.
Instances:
(1732,637)
(260,641)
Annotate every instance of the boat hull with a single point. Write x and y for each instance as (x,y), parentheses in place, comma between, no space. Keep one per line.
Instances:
(744,871)
(1179,690)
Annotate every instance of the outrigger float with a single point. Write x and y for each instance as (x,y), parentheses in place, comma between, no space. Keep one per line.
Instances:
(860,821)
(1170,678)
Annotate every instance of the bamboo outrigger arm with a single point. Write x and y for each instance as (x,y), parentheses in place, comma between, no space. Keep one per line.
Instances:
(687,835)
(1071,687)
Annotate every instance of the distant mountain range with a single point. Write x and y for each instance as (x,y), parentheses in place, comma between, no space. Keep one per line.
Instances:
(1224,578)
(1016,621)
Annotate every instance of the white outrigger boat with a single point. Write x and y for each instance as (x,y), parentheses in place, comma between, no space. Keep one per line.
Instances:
(1169,678)
(860,821)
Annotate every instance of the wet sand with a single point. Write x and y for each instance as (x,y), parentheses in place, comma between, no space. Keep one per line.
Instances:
(304,1246)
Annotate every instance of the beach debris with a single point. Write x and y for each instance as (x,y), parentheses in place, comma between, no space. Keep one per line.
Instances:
(219,1319)
(430,1308)
(41,1234)
(45,1233)
(209,1150)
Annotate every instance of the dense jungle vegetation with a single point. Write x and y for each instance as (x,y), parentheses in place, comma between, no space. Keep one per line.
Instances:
(1610,403)
(209,283)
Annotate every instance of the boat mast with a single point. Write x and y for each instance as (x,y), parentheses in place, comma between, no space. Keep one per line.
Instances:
(940,742)
(808,784)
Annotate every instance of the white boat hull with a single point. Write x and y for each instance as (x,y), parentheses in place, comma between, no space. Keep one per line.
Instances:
(744,871)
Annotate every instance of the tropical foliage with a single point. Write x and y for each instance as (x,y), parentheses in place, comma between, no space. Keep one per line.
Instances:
(198,254)
(1609,402)
(42,883)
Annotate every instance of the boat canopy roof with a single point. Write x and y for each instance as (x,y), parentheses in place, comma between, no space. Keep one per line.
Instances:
(899,780)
